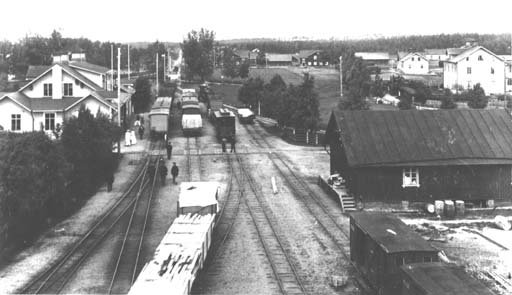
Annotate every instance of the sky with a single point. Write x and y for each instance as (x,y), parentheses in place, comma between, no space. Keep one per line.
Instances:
(171,20)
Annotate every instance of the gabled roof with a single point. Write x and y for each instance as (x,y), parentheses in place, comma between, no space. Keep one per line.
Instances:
(36,71)
(49,104)
(392,235)
(435,51)
(437,278)
(19,98)
(425,138)
(373,55)
(412,54)
(88,67)
(470,51)
(307,53)
(455,51)
(241,53)
(278,57)
(94,95)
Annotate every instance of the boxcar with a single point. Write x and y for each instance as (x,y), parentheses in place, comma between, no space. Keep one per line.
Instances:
(159,120)
(246,116)
(380,243)
(224,121)
(198,197)
(439,279)
(191,120)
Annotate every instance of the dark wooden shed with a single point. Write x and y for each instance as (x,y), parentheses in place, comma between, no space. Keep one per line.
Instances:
(423,155)
(380,243)
(439,279)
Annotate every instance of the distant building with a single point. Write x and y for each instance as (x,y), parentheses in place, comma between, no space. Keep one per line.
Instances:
(508,72)
(56,92)
(250,55)
(278,59)
(475,65)
(413,63)
(311,58)
(382,60)
(435,57)
(422,156)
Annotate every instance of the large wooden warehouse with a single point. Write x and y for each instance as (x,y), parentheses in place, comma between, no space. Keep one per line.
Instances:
(423,155)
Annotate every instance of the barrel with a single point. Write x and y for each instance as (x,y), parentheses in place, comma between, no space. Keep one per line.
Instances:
(430,208)
(490,203)
(449,209)
(459,208)
(439,207)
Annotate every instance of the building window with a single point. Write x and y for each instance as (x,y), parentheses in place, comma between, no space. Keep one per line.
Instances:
(422,66)
(492,70)
(15,122)
(413,59)
(48,89)
(509,81)
(411,177)
(68,89)
(49,121)
(469,70)
(467,58)
(480,57)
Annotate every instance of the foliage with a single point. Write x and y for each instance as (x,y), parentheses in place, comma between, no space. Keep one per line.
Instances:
(141,99)
(198,53)
(33,177)
(476,97)
(357,84)
(405,103)
(352,101)
(377,88)
(251,92)
(243,70)
(447,101)
(229,63)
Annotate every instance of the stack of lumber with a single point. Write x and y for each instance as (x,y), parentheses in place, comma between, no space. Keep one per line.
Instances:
(178,258)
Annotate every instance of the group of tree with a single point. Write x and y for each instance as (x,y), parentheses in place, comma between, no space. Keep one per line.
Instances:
(42,179)
(474,97)
(356,83)
(291,105)
(198,54)
(233,66)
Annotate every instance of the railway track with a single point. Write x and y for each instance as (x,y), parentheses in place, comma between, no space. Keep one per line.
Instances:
(128,264)
(55,278)
(194,166)
(327,218)
(272,241)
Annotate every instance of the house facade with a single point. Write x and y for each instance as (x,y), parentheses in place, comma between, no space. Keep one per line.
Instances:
(475,65)
(56,93)
(413,63)
(311,58)
(423,155)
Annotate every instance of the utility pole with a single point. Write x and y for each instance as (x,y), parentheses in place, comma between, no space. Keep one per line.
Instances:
(157,75)
(128,62)
(111,67)
(163,55)
(341,77)
(118,93)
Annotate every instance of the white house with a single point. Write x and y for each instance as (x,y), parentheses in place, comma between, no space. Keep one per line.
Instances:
(508,72)
(475,65)
(413,63)
(56,93)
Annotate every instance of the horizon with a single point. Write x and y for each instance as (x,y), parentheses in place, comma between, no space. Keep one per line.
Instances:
(282,20)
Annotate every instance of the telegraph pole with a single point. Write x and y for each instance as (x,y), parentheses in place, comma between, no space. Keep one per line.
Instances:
(119,85)
(157,75)
(341,77)
(163,55)
(128,62)
(111,67)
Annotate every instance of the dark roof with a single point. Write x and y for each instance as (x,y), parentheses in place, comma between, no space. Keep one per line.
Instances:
(20,98)
(35,71)
(307,53)
(88,66)
(390,233)
(50,104)
(80,77)
(444,279)
(426,137)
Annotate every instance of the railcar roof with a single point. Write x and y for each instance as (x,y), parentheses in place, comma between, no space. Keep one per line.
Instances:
(444,279)
(390,232)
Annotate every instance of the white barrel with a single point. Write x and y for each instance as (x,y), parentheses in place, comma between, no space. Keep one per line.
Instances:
(460,208)
(449,209)
(439,207)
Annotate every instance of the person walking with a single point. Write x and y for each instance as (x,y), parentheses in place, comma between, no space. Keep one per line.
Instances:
(110,181)
(223,145)
(169,149)
(174,172)
(141,131)
(232,141)
(163,170)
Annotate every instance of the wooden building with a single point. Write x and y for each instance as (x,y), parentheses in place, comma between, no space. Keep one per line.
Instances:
(423,155)
(439,279)
(380,243)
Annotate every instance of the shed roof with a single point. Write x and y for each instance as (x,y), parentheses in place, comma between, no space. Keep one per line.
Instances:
(278,57)
(426,137)
(390,233)
(444,279)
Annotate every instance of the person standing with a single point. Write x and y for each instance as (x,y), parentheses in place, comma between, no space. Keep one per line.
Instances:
(174,172)
(110,181)
(232,141)
(169,149)
(163,170)
(141,131)
(223,145)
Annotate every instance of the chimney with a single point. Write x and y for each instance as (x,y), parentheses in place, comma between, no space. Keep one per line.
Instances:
(57,82)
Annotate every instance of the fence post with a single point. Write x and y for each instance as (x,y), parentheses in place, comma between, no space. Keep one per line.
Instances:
(316,138)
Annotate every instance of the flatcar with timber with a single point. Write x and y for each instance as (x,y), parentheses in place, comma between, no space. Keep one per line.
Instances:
(183,250)
(159,116)
(224,122)
(439,279)
(380,244)
(245,116)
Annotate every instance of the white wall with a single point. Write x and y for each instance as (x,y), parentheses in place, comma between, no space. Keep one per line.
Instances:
(418,66)
(8,108)
(481,72)
(39,119)
(78,91)
(92,104)
(37,87)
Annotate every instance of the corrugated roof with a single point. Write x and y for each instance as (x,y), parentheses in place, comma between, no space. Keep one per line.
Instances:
(444,279)
(390,232)
(89,67)
(36,71)
(276,57)
(373,55)
(412,137)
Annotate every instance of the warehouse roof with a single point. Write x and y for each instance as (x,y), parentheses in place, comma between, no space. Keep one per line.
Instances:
(424,138)
(444,279)
(390,233)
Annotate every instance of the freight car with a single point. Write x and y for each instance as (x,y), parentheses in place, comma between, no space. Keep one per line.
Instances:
(191,120)
(181,254)
(245,116)
(159,120)
(439,279)
(224,122)
(380,243)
